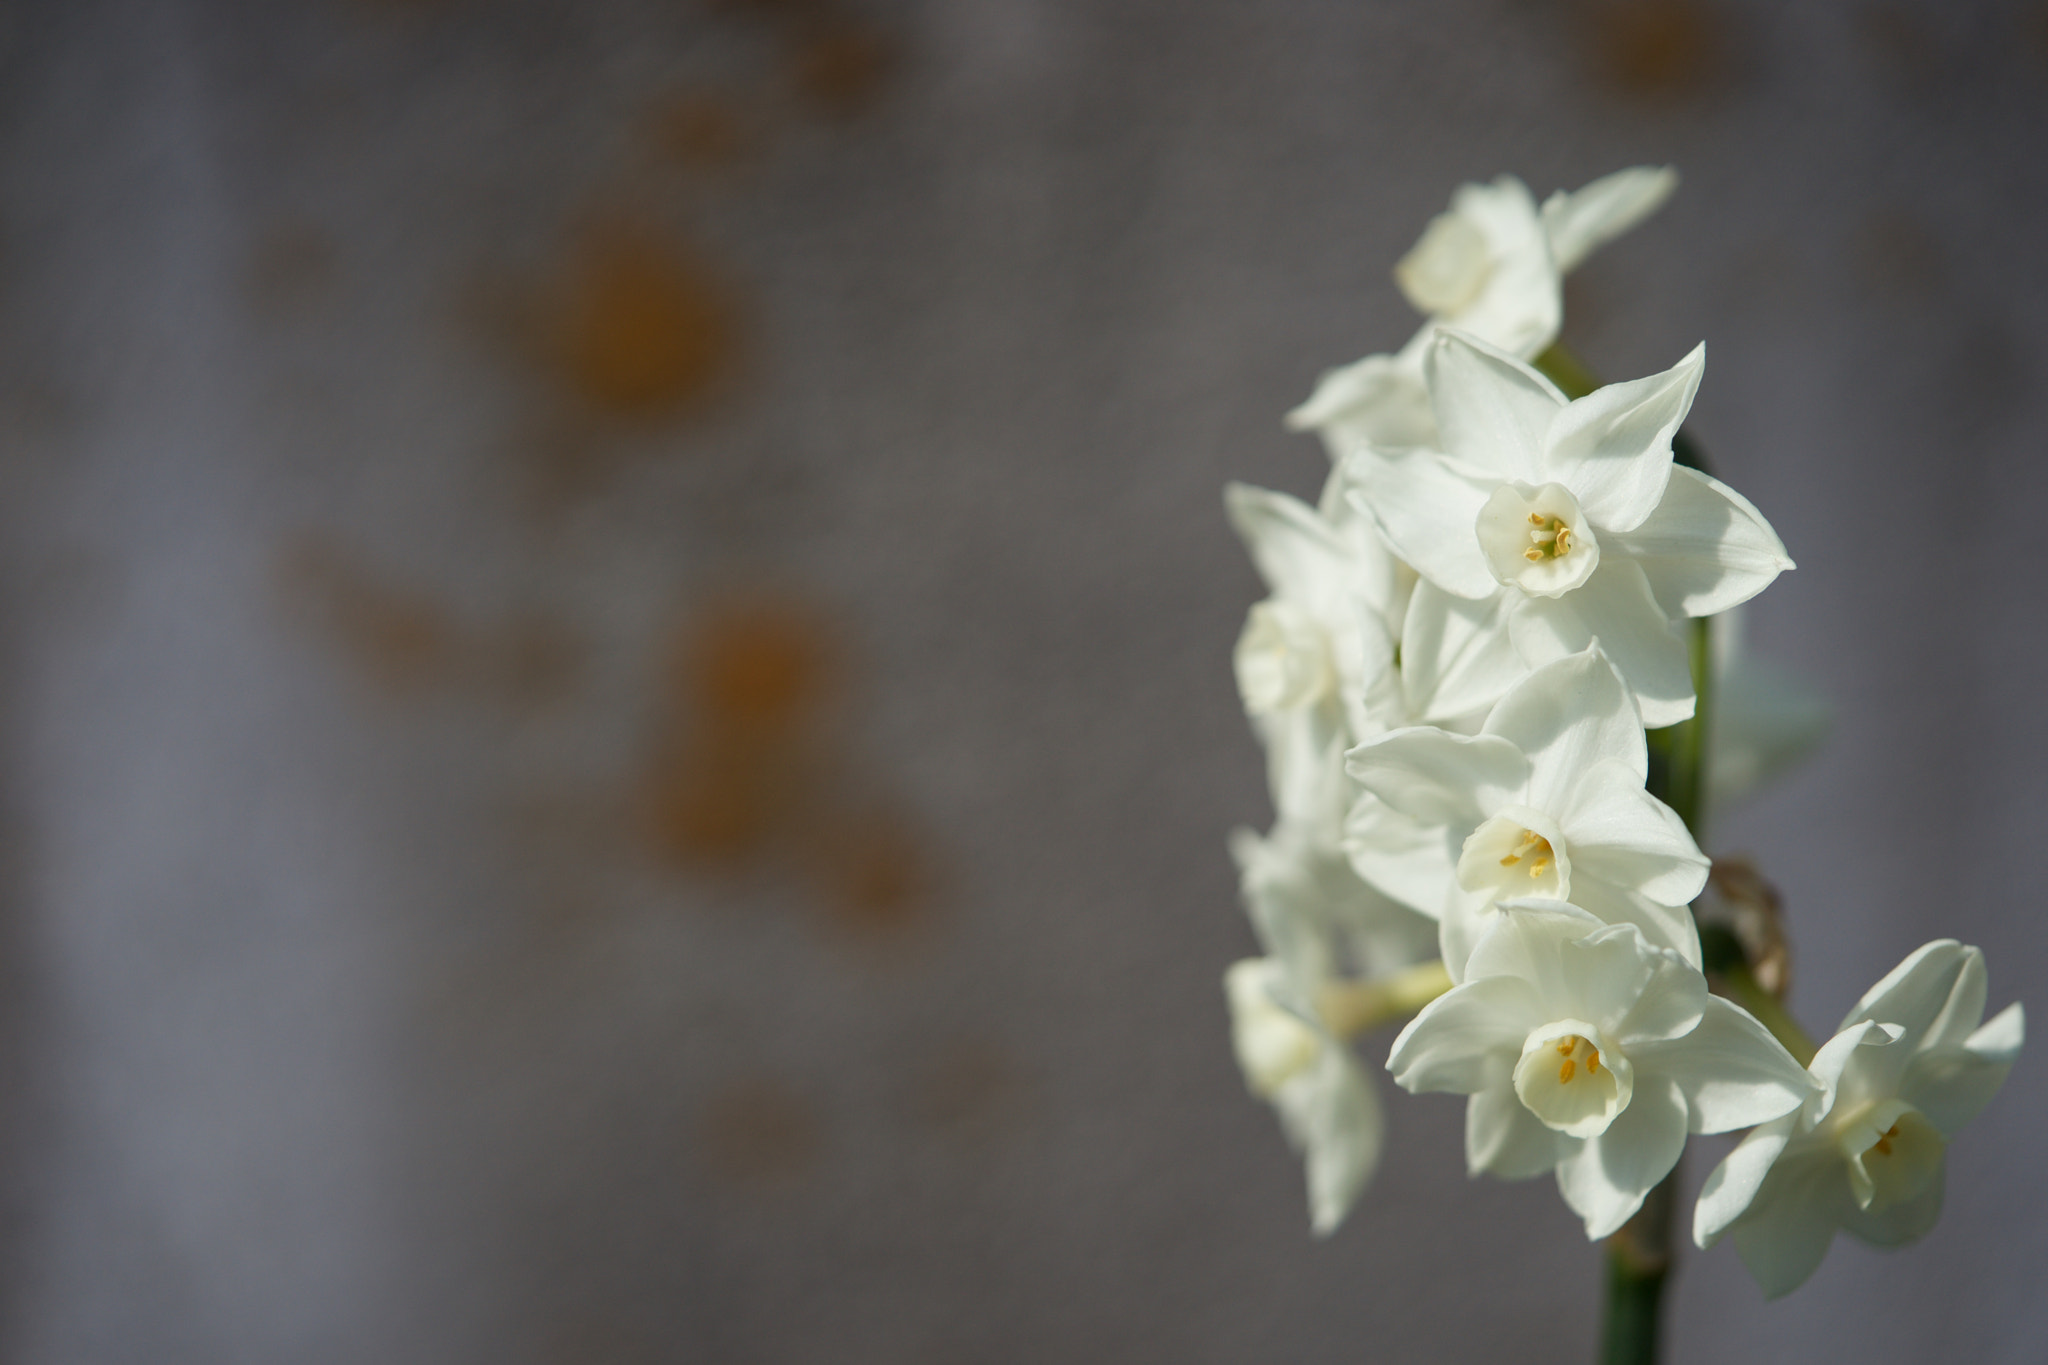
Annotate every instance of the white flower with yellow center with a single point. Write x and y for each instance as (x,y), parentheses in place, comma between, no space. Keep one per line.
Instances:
(1542,523)
(1546,801)
(1909,1066)
(1492,266)
(1323,931)
(1588,1051)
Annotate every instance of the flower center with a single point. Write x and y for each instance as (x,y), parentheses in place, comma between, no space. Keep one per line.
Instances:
(1537,538)
(1516,853)
(1567,1080)
(1550,539)
(1893,1152)
(1531,849)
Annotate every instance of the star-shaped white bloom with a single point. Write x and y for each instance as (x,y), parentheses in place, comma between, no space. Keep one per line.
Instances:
(1315,661)
(1589,1051)
(1317,923)
(1491,266)
(1546,801)
(1543,523)
(1909,1067)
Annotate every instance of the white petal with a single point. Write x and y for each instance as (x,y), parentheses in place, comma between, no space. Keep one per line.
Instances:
(1378,401)
(1456,656)
(1663,926)
(1333,1116)
(1298,554)
(1834,1057)
(1428,510)
(1622,835)
(1673,1000)
(1492,409)
(1914,995)
(1603,975)
(1523,942)
(1437,777)
(1467,918)
(1705,548)
(1403,857)
(1504,1139)
(1521,304)
(1732,1071)
(1616,607)
(1964,1009)
(1951,1086)
(1605,1181)
(1588,218)
(1612,448)
(1566,716)
(1898,1224)
(1466,1039)
(1793,1218)
(1733,1185)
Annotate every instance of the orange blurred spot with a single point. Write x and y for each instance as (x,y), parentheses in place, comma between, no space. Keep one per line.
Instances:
(973,1093)
(1658,49)
(840,68)
(759,1131)
(404,641)
(646,330)
(760,666)
(702,132)
(875,873)
(738,757)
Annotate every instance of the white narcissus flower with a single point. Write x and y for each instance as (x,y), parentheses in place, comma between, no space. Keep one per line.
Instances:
(1589,1051)
(1544,522)
(1909,1066)
(1546,801)
(1492,266)
(1315,661)
(1313,917)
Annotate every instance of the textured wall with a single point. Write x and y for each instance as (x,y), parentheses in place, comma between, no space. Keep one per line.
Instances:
(617,722)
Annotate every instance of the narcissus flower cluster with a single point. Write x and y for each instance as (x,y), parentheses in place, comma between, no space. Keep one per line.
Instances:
(1473,643)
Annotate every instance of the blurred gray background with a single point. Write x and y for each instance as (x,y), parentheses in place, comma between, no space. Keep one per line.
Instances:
(616,728)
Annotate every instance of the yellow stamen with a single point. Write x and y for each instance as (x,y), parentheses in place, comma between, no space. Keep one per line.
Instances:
(1565,1045)
(1592,1061)
(1564,1073)
(1539,867)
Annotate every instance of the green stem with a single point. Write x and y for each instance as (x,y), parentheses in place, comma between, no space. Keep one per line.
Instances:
(1639,1256)
(1354,1007)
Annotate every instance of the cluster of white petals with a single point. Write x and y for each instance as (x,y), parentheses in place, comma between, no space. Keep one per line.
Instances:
(1911,1064)
(1463,645)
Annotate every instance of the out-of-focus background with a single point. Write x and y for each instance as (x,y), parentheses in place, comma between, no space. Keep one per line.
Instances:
(617,730)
